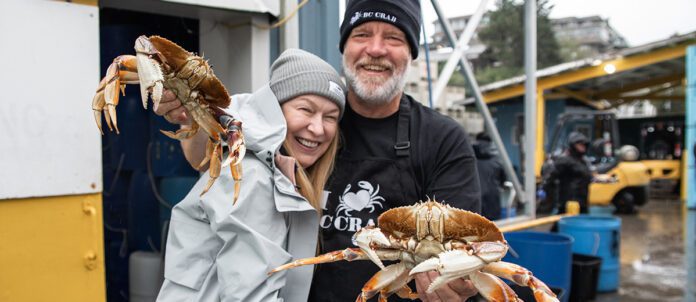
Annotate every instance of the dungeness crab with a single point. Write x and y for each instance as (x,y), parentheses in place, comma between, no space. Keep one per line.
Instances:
(161,64)
(433,236)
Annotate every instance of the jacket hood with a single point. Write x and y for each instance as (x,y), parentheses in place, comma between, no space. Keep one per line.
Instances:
(263,122)
(576,137)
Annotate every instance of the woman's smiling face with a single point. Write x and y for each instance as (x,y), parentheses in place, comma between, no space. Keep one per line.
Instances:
(312,123)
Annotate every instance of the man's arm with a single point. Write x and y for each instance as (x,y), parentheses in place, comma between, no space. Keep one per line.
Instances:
(172,110)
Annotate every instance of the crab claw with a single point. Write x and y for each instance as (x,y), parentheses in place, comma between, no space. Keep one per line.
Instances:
(459,263)
(451,265)
(368,237)
(149,71)
(387,281)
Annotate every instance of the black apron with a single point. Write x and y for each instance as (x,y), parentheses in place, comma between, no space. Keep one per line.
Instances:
(362,189)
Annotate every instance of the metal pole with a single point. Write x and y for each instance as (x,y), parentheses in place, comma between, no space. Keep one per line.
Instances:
(690,132)
(530,103)
(481,105)
(458,51)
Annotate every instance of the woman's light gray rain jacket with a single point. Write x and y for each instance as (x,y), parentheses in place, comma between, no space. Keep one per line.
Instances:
(220,252)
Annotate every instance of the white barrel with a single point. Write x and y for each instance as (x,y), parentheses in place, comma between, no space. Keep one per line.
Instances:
(145,276)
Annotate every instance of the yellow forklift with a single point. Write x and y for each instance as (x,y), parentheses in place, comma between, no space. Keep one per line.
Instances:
(626,181)
(661,144)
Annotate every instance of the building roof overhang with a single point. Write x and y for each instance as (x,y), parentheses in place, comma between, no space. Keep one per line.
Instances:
(642,72)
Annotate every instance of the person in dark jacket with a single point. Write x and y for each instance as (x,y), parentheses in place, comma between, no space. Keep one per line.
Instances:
(570,175)
(491,176)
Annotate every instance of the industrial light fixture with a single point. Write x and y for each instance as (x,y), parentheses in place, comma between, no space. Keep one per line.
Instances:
(609,68)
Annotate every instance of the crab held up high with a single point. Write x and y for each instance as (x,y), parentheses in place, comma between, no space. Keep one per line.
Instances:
(433,236)
(161,64)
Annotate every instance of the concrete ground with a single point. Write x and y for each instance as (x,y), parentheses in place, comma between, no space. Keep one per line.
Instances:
(658,248)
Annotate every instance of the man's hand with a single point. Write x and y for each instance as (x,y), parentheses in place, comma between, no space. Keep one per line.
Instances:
(171,108)
(457,290)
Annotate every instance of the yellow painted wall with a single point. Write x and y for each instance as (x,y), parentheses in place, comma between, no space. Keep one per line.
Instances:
(51,249)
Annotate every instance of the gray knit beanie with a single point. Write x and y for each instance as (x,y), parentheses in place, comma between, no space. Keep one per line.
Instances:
(297,72)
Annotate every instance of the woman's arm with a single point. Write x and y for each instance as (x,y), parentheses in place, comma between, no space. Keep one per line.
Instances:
(252,233)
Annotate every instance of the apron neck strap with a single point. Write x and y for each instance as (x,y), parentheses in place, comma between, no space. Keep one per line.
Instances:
(402,136)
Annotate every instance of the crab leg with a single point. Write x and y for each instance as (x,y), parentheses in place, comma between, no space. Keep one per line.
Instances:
(214,170)
(391,279)
(406,292)
(182,134)
(235,143)
(122,71)
(492,288)
(523,277)
(349,254)
(235,140)
(98,104)
(237,176)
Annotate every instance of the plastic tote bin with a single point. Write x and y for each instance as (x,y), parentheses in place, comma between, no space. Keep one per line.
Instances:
(584,278)
(597,236)
(547,255)
(526,294)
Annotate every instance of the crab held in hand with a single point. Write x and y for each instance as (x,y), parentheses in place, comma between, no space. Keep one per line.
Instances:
(161,64)
(433,236)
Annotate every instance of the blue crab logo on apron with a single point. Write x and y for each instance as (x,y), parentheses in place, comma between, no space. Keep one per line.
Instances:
(357,201)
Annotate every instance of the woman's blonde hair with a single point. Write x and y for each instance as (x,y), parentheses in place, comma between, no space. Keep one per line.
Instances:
(311,181)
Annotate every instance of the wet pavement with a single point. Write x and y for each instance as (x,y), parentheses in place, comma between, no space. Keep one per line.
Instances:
(658,248)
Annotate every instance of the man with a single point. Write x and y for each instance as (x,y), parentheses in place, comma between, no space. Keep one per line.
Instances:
(491,176)
(395,151)
(569,176)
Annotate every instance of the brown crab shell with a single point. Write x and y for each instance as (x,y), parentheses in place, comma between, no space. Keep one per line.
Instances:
(212,89)
(459,224)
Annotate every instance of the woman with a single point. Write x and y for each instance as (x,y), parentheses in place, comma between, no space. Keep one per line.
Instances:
(217,251)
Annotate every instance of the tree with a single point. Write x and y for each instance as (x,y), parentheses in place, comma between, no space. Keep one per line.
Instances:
(503,36)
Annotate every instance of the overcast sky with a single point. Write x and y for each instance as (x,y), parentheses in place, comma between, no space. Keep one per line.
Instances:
(639,21)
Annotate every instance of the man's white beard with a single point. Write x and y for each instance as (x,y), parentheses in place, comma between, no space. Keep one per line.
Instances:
(371,92)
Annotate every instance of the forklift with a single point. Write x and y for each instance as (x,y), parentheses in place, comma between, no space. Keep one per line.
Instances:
(625,180)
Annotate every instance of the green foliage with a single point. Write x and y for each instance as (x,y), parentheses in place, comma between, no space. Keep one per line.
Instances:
(457,79)
(504,38)
(493,74)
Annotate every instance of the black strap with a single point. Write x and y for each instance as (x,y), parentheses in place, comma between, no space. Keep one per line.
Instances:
(402,129)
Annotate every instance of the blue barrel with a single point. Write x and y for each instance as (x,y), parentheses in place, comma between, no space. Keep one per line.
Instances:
(508,212)
(547,255)
(173,190)
(597,236)
(166,157)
